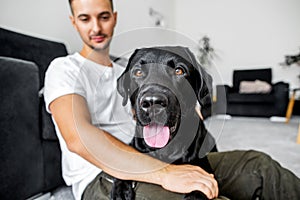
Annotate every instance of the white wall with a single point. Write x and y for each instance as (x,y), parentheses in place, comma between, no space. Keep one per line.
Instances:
(50,19)
(245,34)
(41,18)
(136,28)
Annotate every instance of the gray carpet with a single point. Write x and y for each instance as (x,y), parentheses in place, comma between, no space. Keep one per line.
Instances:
(277,139)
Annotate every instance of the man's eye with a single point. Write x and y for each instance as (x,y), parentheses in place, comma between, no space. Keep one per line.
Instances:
(83,19)
(105,17)
(179,71)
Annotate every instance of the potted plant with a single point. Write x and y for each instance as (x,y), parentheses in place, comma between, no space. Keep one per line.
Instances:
(206,52)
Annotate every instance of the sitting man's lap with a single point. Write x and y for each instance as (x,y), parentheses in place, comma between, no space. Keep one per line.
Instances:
(240,175)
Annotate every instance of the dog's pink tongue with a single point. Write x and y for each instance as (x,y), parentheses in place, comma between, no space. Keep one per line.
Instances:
(156,135)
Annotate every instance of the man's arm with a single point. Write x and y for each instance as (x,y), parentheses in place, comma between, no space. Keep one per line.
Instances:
(71,114)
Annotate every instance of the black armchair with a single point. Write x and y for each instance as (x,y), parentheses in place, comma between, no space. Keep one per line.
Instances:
(232,101)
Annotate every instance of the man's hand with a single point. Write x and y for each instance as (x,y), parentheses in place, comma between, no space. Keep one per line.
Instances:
(188,178)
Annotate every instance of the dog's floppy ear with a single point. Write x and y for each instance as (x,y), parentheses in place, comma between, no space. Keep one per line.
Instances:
(124,82)
(205,93)
(203,85)
(123,86)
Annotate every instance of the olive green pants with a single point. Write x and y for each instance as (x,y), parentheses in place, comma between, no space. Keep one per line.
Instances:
(240,174)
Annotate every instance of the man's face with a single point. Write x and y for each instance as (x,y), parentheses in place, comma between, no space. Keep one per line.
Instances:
(95,22)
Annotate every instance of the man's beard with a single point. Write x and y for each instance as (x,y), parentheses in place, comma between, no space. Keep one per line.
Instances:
(101,48)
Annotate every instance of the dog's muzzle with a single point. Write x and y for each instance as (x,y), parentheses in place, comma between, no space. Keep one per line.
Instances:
(153,102)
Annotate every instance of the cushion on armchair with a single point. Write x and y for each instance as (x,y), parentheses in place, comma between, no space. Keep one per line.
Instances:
(253,94)
(257,86)
(264,74)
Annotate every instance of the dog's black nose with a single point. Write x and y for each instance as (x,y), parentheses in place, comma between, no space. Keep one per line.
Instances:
(148,101)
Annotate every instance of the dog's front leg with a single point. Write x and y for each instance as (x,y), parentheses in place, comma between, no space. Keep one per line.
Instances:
(196,195)
(122,190)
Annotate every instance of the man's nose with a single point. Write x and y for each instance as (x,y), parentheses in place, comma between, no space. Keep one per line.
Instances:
(96,26)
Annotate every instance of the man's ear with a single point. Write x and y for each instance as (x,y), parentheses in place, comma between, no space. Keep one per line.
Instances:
(115,14)
(72,19)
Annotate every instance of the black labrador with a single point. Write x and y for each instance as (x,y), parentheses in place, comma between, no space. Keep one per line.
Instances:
(163,85)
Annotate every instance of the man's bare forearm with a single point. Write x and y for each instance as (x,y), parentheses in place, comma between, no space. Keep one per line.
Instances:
(118,159)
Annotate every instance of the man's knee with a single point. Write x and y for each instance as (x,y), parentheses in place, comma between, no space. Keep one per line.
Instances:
(149,191)
(261,160)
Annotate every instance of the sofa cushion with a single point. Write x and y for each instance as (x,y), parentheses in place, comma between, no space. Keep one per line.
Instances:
(39,51)
(29,48)
(48,130)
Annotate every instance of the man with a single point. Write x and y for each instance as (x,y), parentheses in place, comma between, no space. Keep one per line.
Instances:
(93,129)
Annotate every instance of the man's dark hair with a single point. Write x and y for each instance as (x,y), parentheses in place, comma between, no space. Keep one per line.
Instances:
(111,3)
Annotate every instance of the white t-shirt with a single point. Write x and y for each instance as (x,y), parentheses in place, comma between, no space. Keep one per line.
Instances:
(74,74)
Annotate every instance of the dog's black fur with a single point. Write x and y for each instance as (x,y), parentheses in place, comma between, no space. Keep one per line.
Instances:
(164,84)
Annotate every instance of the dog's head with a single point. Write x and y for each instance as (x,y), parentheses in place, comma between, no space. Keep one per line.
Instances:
(163,84)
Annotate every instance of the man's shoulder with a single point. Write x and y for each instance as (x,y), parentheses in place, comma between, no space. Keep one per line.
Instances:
(72,60)
(65,66)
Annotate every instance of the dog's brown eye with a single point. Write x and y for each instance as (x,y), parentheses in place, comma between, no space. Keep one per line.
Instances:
(179,71)
(138,73)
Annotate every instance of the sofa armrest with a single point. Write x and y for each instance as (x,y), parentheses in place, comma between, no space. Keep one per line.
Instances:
(280,87)
(48,129)
(280,91)
(221,103)
(21,152)
(223,91)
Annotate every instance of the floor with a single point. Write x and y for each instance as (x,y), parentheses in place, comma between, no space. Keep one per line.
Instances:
(273,137)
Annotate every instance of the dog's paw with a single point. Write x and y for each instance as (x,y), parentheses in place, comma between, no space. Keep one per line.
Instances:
(122,190)
(195,196)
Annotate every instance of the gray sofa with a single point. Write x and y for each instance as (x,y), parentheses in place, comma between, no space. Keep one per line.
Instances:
(30,154)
